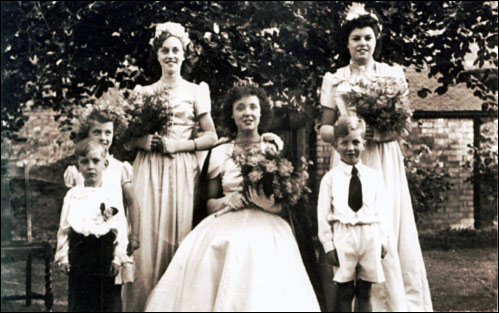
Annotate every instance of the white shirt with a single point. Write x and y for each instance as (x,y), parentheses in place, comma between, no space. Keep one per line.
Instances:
(333,206)
(81,212)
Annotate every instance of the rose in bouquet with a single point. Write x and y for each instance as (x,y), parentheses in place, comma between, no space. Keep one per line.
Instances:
(265,169)
(147,114)
(382,102)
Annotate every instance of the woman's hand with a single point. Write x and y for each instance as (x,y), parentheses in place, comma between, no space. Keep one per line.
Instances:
(235,200)
(157,143)
(165,145)
(232,201)
(133,244)
(143,142)
(259,199)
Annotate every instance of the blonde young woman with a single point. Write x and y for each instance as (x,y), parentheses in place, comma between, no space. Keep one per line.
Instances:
(166,169)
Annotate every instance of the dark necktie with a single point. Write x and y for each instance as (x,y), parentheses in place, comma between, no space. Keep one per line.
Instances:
(355,191)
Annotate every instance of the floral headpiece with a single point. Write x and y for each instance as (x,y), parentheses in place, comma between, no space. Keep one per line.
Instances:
(246,82)
(356,10)
(172,29)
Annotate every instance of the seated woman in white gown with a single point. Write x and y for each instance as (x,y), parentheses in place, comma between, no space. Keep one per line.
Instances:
(245,259)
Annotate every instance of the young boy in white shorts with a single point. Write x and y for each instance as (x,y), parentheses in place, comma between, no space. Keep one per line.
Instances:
(350,220)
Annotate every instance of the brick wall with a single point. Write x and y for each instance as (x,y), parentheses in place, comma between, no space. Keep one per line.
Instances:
(449,140)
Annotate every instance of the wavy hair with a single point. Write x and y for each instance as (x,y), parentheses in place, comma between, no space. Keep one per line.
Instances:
(349,26)
(100,116)
(234,94)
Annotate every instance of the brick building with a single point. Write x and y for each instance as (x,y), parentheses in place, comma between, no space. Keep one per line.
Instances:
(448,124)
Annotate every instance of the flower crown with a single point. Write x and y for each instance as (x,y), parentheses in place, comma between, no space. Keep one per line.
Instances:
(172,29)
(246,82)
(356,10)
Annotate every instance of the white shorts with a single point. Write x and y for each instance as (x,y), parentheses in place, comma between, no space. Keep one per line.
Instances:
(359,253)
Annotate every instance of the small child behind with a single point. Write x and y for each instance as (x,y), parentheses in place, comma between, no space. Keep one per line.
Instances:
(351,227)
(92,236)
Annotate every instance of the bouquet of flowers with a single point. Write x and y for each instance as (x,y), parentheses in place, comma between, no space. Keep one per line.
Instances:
(265,169)
(382,102)
(147,113)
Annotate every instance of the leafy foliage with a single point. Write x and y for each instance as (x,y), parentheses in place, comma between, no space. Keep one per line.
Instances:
(428,185)
(60,54)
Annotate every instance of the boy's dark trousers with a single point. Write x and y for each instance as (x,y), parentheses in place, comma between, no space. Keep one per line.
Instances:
(91,286)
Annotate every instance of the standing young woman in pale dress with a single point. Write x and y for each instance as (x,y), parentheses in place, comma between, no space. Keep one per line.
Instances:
(360,31)
(166,169)
(246,259)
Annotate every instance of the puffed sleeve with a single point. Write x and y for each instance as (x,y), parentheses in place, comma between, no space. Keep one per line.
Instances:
(72,177)
(138,89)
(398,71)
(202,98)
(327,91)
(217,158)
(126,173)
(61,254)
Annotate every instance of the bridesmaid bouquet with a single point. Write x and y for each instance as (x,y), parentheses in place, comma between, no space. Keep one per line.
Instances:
(265,169)
(382,102)
(147,113)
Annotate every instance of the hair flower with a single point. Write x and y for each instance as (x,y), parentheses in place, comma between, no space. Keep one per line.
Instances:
(356,10)
(172,29)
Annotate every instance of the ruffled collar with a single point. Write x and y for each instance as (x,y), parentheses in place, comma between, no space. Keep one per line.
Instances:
(82,192)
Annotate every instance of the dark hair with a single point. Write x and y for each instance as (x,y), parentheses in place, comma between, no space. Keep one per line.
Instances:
(234,94)
(100,116)
(346,29)
(86,145)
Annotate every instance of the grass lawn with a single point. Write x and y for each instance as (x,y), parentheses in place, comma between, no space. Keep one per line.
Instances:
(460,280)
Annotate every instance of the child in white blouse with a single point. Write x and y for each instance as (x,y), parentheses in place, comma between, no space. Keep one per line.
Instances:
(92,236)
(351,227)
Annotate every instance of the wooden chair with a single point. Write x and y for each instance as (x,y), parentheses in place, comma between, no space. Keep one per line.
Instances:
(14,249)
